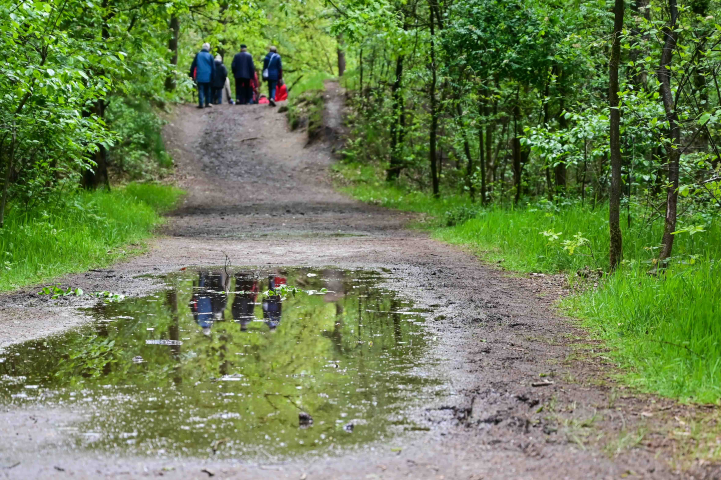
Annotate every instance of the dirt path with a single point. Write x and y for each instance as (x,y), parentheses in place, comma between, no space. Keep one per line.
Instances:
(259,195)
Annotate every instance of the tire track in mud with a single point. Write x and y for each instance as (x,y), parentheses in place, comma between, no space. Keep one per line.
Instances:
(259,194)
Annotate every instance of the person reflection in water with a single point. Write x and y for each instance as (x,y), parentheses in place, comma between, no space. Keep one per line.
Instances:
(246,288)
(209,300)
(273,305)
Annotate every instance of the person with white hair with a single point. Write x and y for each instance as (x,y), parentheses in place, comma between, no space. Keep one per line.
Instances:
(221,75)
(202,70)
(272,72)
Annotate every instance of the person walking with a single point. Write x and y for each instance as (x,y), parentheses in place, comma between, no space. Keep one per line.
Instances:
(228,94)
(272,72)
(203,71)
(221,75)
(243,70)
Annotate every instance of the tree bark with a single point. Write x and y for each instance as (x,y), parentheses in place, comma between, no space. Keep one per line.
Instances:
(614,210)
(397,124)
(93,178)
(516,150)
(174,24)
(341,56)
(8,175)
(638,73)
(482,110)
(559,171)
(673,150)
(434,109)
(467,153)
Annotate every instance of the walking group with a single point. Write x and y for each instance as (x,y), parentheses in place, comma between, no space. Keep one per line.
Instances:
(211,78)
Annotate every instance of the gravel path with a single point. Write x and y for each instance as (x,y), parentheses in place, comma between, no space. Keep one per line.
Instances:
(259,195)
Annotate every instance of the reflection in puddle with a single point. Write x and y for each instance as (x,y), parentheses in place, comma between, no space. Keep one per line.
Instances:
(215,365)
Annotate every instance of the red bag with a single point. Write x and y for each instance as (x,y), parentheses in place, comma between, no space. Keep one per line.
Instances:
(281,93)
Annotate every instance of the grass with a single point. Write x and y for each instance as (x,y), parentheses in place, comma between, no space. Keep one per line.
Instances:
(664,330)
(85,230)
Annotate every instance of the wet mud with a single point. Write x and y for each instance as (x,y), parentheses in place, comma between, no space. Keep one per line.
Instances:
(496,385)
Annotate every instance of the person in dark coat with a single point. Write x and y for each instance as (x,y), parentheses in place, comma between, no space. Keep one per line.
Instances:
(272,72)
(243,71)
(221,73)
(202,70)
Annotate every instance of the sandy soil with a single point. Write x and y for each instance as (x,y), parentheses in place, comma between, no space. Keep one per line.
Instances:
(258,194)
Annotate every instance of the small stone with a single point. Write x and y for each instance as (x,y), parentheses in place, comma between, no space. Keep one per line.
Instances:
(304,419)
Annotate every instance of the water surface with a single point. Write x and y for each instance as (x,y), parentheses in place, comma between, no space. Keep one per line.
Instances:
(214,364)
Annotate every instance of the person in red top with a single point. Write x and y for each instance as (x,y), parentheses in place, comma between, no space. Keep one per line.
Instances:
(281,92)
(255,86)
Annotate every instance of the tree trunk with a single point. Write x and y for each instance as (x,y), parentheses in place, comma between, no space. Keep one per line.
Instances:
(397,124)
(614,210)
(673,150)
(490,160)
(8,175)
(95,177)
(638,72)
(516,151)
(434,109)
(341,57)
(482,110)
(546,118)
(360,67)
(559,171)
(467,152)
(174,24)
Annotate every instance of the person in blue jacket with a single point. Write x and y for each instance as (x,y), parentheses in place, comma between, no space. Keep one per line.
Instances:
(202,71)
(272,72)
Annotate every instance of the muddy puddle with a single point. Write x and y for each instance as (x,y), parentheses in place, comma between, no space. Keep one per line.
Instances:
(235,365)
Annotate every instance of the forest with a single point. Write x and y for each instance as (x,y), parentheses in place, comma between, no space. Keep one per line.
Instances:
(552,137)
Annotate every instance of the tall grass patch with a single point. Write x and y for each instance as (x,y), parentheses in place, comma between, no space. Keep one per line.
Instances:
(81,231)
(665,331)
(663,326)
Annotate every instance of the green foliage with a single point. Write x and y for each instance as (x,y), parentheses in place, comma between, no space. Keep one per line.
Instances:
(80,231)
(54,291)
(140,152)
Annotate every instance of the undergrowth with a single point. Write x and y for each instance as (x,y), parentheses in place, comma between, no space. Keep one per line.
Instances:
(664,328)
(81,230)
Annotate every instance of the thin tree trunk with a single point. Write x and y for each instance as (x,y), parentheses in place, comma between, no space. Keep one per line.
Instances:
(585,170)
(546,118)
(481,153)
(490,128)
(93,178)
(174,24)
(467,152)
(396,163)
(673,150)
(615,250)
(8,173)
(434,109)
(638,73)
(341,56)
(516,150)
(360,66)
(559,171)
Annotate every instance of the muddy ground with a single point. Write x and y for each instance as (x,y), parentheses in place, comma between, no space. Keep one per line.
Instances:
(258,194)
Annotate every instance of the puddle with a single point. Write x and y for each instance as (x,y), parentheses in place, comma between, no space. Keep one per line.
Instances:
(211,365)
